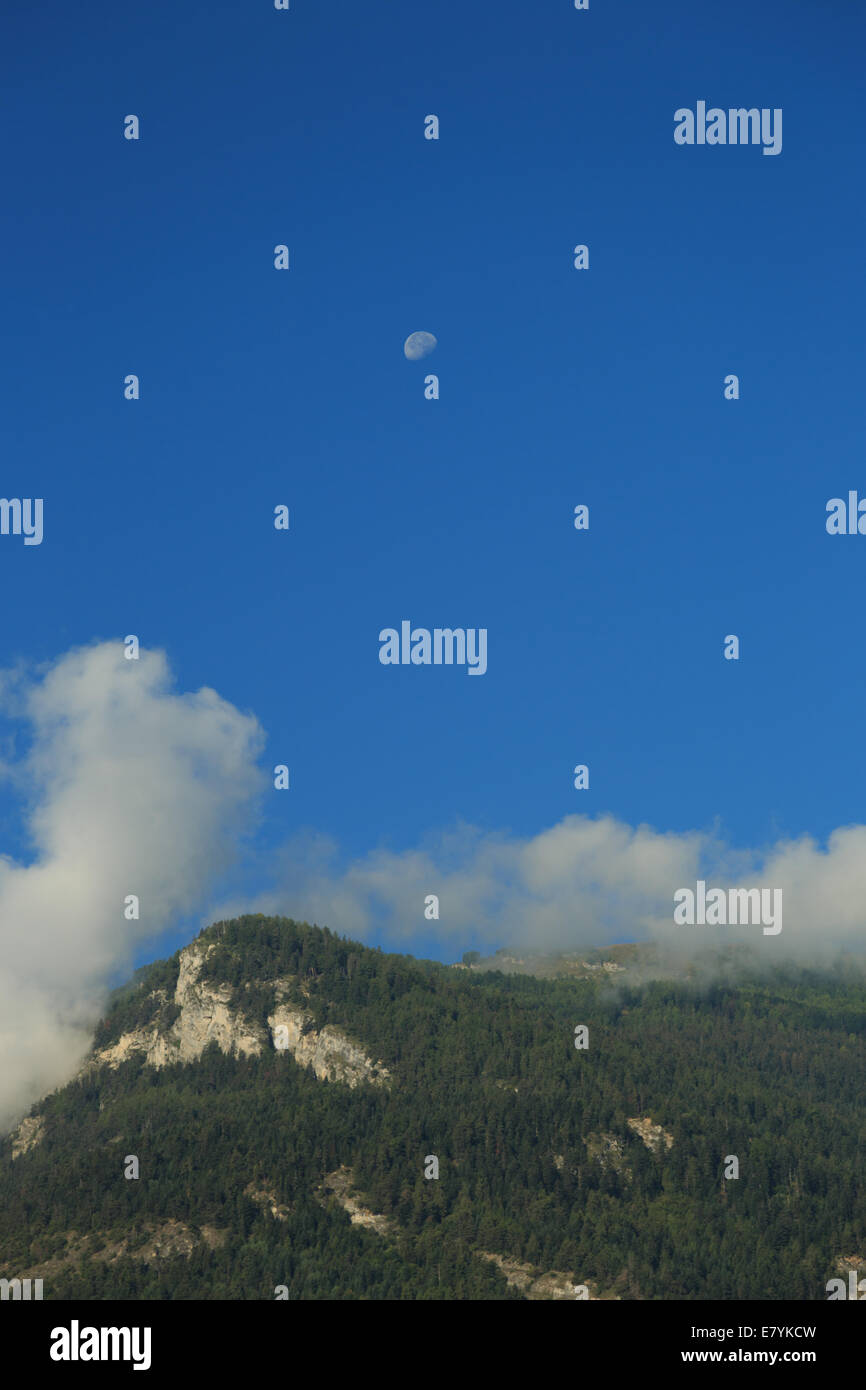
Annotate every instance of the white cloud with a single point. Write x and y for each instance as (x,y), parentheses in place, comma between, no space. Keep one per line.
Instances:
(131,788)
(582,882)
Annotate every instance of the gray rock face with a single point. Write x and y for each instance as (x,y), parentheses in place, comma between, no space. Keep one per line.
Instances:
(655,1138)
(208,1014)
(532,1282)
(332,1056)
(341,1184)
(27,1135)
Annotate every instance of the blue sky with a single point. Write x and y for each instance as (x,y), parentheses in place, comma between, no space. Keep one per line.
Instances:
(558,387)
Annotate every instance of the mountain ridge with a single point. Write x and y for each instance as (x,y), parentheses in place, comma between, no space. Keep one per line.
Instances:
(559,1169)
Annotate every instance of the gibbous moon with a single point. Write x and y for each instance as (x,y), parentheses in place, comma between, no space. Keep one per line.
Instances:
(419,345)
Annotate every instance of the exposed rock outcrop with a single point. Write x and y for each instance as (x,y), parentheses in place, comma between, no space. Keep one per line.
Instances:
(27,1135)
(532,1283)
(210,1013)
(331,1055)
(205,1016)
(341,1184)
(652,1135)
(159,1241)
(606,1149)
(266,1198)
(213,1013)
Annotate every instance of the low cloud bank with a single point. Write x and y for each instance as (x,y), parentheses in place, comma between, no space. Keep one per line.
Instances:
(583,882)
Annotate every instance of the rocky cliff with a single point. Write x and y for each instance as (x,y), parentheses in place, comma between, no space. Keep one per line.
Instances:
(213,1013)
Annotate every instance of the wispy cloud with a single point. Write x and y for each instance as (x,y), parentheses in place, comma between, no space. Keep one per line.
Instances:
(582,882)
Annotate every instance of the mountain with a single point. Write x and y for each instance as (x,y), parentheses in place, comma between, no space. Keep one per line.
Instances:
(264,1114)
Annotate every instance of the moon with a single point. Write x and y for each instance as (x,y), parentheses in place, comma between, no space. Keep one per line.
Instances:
(419,345)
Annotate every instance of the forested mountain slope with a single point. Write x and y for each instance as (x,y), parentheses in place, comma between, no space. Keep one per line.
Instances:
(284,1092)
